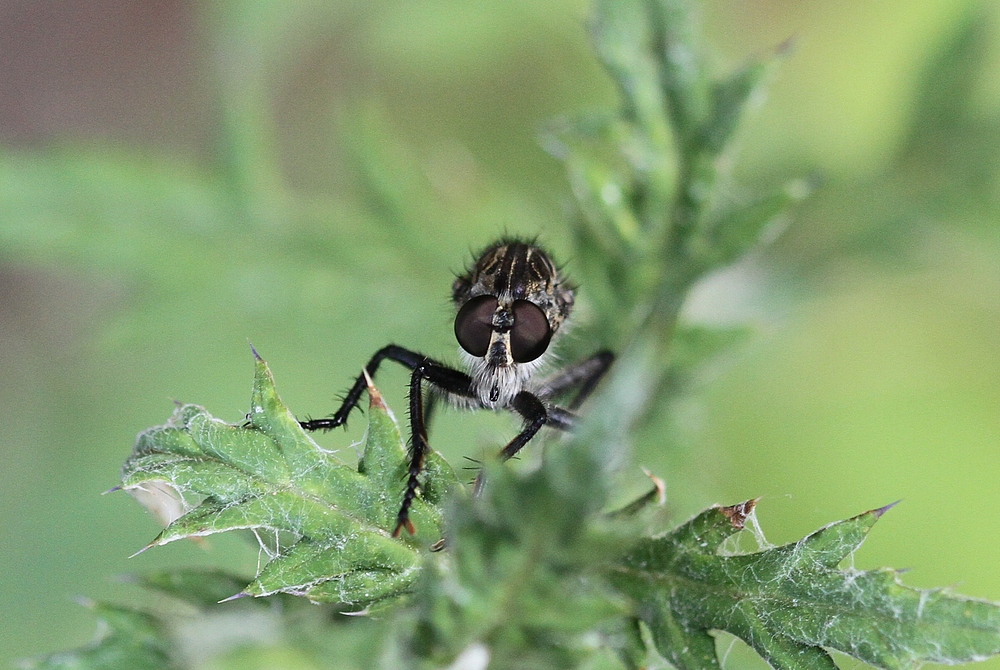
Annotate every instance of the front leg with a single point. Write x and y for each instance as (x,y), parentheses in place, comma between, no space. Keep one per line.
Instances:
(535,416)
(405,357)
(449,380)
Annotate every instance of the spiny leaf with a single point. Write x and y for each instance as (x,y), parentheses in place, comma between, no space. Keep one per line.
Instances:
(739,229)
(131,639)
(686,86)
(202,588)
(790,602)
(731,98)
(522,569)
(330,523)
(648,178)
(625,638)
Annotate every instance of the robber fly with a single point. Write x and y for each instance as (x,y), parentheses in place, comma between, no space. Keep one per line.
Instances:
(512,303)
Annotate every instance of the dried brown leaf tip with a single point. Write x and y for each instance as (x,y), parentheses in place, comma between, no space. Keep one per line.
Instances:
(659,487)
(374,397)
(737,514)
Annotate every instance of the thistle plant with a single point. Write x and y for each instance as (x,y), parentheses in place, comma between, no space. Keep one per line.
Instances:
(541,570)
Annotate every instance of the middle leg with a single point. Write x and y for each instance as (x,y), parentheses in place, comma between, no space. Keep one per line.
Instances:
(582,376)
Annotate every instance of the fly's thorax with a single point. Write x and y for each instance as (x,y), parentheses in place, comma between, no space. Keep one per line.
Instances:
(521,271)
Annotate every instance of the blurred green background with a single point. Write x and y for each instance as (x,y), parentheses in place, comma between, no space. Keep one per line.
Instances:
(177,179)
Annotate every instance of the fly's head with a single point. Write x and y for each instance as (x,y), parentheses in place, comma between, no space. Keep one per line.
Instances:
(510,303)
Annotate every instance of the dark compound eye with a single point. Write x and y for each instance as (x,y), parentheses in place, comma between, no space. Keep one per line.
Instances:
(474,324)
(531,333)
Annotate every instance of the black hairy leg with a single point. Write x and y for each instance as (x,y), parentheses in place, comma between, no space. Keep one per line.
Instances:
(582,376)
(405,357)
(449,380)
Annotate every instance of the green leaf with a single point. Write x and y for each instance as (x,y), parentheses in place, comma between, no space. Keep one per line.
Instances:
(623,39)
(648,179)
(326,525)
(202,588)
(950,81)
(625,639)
(730,99)
(737,230)
(683,75)
(790,602)
(520,572)
(130,639)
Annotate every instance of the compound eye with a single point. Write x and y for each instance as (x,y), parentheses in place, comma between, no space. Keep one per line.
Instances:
(531,333)
(474,324)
